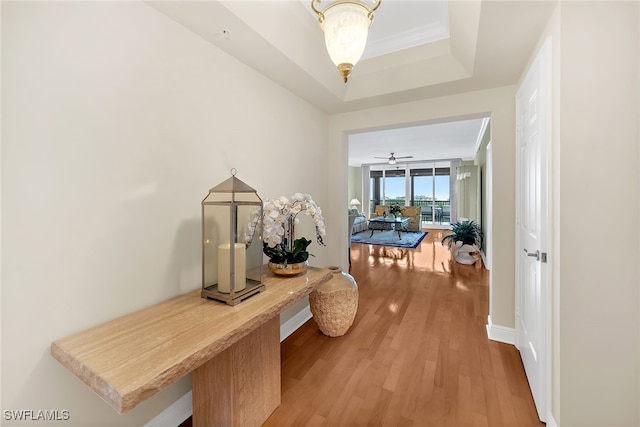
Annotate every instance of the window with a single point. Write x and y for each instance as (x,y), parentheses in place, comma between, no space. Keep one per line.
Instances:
(387,187)
(428,186)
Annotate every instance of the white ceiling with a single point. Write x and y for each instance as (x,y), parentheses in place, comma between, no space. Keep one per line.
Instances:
(450,140)
(422,22)
(417,49)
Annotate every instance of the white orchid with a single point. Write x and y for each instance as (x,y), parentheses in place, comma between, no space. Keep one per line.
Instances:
(281,213)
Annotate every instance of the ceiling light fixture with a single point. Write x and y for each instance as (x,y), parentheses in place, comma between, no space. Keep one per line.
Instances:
(393,159)
(345,24)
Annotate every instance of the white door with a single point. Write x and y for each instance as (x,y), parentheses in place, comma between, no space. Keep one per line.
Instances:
(533,139)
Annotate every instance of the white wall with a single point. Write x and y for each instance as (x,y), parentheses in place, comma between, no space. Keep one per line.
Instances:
(595,269)
(599,274)
(355,185)
(116,122)
(499,104)
(467,192)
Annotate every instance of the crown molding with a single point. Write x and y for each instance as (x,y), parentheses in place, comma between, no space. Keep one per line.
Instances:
(409,38)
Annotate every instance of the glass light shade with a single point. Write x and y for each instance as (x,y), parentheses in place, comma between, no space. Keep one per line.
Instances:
(345,32)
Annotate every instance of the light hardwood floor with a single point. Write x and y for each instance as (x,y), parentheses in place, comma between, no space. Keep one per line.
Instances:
(417,353)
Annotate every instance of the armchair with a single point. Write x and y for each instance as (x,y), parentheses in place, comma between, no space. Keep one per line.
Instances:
(357,221)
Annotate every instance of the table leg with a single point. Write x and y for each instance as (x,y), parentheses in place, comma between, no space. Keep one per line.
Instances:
(241,385)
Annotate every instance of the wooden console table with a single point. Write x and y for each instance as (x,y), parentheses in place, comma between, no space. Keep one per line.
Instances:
(233,352)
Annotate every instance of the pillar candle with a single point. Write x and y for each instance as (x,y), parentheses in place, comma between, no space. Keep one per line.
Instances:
(224,267)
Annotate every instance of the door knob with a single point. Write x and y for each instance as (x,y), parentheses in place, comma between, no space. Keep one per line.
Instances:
(535,254)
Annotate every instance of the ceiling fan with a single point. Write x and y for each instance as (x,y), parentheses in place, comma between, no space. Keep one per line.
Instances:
(392,160)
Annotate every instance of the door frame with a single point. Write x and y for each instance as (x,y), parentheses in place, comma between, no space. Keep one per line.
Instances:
(488,242)
(544,56)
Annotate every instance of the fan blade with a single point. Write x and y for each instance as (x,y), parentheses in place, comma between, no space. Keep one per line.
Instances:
(405,157)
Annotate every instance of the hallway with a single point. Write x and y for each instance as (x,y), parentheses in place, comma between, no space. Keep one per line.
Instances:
(417,353)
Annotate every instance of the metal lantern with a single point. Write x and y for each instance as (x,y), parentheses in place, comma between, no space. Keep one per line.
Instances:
(231,242)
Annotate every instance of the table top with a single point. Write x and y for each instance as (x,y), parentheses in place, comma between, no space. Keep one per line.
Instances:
(389,219)
(131,358)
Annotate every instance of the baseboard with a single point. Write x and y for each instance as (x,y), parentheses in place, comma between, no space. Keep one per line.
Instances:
(291,325)
(182,408)
(500,333)
(484,259)
(175,414)
(551,422)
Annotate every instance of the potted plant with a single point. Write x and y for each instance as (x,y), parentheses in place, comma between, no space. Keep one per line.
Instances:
(395,209)
(283,254)
(288,255)
(465,239)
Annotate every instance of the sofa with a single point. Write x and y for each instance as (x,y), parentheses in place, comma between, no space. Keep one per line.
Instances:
(412,212)
(357,220)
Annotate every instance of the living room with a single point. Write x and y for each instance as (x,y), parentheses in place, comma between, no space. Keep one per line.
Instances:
(439,168)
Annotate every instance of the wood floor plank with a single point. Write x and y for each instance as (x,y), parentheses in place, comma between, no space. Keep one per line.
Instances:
(417,353)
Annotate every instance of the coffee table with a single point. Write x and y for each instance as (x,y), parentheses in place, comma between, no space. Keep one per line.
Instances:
(389,223)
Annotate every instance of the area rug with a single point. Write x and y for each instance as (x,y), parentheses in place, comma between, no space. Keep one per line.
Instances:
(410,239)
